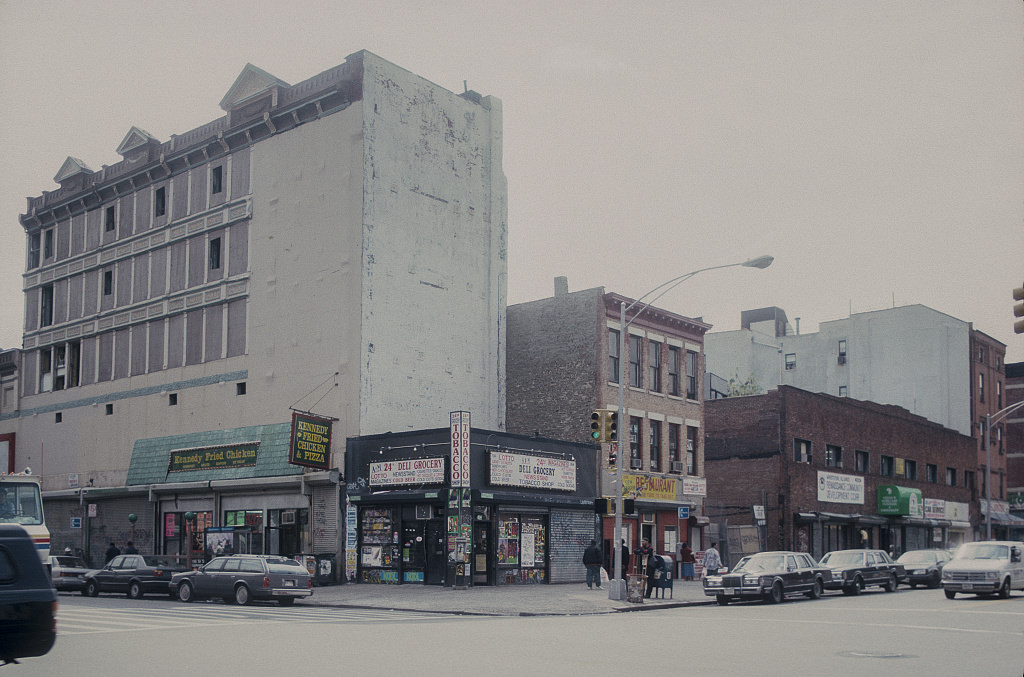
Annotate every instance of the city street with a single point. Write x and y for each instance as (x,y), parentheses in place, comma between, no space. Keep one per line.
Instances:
(909,632)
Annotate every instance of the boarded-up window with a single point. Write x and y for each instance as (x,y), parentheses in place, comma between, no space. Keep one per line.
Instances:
(156,345)
(236,328)
(175,341)
(214,333)
(194,337)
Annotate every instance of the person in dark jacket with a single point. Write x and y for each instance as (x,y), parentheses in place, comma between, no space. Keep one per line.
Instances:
(131,549)
(112,552)
(592,559)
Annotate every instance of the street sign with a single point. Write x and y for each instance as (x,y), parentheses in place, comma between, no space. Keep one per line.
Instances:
(684,512)
(76,522)
(759,512)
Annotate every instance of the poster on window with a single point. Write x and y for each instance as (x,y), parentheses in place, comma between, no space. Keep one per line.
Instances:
(526,551)
(371,555)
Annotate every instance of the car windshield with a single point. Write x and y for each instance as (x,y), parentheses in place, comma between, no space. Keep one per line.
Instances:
(286,567)
(843,559)
(758,563)
(918,558)
(983,551)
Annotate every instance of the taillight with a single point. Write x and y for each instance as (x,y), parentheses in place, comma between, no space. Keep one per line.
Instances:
(266,581)
(55,615)
(309,582)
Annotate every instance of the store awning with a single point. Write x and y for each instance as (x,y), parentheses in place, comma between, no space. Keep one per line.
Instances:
(1007,518)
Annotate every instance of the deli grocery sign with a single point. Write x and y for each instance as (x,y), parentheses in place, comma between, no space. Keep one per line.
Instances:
(310,443)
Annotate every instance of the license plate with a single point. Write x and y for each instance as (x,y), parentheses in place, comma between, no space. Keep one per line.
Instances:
(967,586)
(289,583)
(728,591)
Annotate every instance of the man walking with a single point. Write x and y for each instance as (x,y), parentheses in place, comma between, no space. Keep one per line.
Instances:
(592,559)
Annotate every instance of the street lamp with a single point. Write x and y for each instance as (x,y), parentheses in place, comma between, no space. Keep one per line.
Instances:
(617,586)
(998,416)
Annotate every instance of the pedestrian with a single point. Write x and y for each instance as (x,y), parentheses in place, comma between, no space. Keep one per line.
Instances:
(863,538)
(644,556)
(625,559)
(712,560)
(131,549)
(112,552)
(592,559)
(6,507)
(687,559)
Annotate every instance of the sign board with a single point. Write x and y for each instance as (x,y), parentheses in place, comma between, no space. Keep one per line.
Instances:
(407,471)
(935,508)
(72,480)
(695,486)
(460,448)
(836,488)
(76,522)
(534,472)
(894,500)
(649,487)
(310,444)
(214,458)
(92,510)
(759,512)
(683,512)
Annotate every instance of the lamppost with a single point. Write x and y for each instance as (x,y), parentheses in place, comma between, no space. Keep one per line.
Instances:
(997,417)
(617,586)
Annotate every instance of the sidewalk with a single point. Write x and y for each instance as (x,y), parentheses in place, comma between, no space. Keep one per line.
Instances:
(560,599)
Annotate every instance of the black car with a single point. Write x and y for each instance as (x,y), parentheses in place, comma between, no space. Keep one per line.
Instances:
(244,578)
(28,603)
(769,576)
(924,567)
(134,575)
(854,570)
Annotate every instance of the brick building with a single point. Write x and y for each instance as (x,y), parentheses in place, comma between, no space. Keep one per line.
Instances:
(826,468)
(563,363)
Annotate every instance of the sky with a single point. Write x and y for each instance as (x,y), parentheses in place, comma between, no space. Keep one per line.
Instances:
(875,148)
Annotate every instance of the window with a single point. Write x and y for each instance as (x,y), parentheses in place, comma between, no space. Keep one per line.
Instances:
(634,440)
(240,388)
(655,445)
(48,244)
(58,417)
(216,180)
(951,477)
(613,356)
(654,350)
(673,370)
(790,361)
(160,202)
(842,351)
(108,282)
(999,394)
(842,391)
(886,466)
(833,456)
(910,469)
(981,387)
(691,450)
(969,481)
(215,254)
(172,400)
(801,451)
(691,375)
(863,460)
(110,409)
(981,355)
(636,362)
(33,250)
(109,221)
(931,473)
(673,442)
(46,305)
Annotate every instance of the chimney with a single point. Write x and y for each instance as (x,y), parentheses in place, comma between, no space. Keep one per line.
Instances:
(561,285)
(797,325)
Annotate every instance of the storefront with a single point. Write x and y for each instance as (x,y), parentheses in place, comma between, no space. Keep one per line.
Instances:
(524,514)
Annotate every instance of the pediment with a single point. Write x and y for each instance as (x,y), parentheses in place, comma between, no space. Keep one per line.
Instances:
(136,138)
(252,83)
(71,167)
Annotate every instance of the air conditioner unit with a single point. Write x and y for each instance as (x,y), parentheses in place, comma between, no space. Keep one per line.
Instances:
(679,466)
(636,463)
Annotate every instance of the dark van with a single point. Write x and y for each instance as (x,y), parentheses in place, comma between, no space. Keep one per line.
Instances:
(28,603)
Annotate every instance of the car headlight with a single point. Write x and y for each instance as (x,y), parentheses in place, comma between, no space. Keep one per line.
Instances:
(991,575)
(751,579)
(919,572)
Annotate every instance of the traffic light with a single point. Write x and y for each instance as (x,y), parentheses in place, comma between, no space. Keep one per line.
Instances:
(597,425)
(1018,310)
(611,426)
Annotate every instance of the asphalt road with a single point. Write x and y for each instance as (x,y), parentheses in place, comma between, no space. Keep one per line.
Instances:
(910,632)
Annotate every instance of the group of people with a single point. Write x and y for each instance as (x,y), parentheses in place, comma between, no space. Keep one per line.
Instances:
(648,563)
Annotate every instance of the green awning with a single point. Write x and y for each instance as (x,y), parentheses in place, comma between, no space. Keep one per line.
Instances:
(894,500)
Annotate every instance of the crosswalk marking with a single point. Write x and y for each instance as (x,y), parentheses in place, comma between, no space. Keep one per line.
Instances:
(89,620)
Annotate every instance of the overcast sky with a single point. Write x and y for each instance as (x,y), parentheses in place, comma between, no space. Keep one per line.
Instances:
(874,147)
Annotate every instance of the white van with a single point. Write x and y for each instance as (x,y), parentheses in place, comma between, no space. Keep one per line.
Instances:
(985,568)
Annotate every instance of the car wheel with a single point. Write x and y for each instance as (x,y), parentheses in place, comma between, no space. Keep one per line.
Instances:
(185,592)
(775,595)
(722,600)
(135,590)
(1004,590)
(92,589)
(817,589)
(286,601)
(950,594)
(241,595)
(856,588)
(890,585)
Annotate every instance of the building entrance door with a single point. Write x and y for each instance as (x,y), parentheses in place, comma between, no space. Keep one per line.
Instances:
(436,553)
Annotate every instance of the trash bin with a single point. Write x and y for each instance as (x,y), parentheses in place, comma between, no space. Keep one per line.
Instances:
(325,569)
(635,585)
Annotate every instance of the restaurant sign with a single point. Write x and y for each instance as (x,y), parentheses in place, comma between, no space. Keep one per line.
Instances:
(310,444)
(214,458)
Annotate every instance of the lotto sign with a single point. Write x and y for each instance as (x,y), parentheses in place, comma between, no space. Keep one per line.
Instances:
(460,448)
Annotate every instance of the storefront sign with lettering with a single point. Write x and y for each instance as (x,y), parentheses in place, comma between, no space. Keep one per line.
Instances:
(407,471)
(213,458)
(310,441)
(535,472)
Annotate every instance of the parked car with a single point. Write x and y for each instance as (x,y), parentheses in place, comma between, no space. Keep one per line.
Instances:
(769,576)
(134,575)
(67,572)
(854,570)
(985,568)
(924,567)
(28,603)
(244,578)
